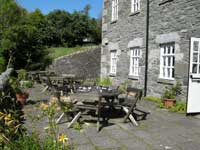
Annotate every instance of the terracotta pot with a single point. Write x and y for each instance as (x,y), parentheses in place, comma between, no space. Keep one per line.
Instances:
(21,98)
(169,102)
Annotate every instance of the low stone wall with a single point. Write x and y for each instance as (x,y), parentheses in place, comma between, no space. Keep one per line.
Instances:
(84,65)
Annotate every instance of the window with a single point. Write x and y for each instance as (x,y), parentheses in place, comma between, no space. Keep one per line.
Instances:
(113,62)
(195,57)
(134,62)
(135,6)
(114,10)
(167,61)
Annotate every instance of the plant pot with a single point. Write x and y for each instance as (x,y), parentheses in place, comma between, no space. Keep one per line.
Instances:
(21,98)
(168,103)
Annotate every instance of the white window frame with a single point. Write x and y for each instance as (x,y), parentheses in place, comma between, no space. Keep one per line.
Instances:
(167,61)
(114,10)
(113,62)
(135,55)
(135,6)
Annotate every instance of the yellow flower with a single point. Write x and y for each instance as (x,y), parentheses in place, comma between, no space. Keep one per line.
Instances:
(1,115)
(58,108)
(8,118)
(53,100)
(66,99)
(44,106)
(8,123)
(62,138)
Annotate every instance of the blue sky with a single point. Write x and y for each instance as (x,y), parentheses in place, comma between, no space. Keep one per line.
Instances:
(70,5)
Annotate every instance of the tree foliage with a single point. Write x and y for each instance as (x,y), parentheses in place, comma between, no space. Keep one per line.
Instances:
(25,36)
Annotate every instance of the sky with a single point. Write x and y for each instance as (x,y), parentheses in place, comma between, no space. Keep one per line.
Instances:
(69,5)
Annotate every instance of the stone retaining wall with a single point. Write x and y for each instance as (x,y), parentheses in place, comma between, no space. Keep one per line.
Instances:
(83,64)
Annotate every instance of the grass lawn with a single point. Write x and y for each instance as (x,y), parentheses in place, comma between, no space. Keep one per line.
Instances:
(56,52)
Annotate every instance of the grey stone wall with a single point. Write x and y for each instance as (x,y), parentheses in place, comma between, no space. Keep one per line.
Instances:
(174,21)
(170,21)
(120,36)
(84,65)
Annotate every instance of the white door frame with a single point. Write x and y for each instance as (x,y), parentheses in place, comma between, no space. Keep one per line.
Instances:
(193,105)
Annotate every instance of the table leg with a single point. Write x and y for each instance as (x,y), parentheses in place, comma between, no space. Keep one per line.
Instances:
(61,116)
(74,120)
(98,114)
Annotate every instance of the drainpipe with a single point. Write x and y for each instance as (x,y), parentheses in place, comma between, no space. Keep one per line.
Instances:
(147,49)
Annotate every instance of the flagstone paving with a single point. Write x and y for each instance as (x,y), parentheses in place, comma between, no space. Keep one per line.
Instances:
(162,130)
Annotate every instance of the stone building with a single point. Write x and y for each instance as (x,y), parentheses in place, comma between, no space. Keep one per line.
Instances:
(152,44)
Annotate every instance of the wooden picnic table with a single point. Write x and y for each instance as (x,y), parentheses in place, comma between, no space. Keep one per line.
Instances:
(98,99)
(94,101)
(36,75)
(65,82)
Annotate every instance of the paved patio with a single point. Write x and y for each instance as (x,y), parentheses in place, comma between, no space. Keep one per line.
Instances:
(162,130)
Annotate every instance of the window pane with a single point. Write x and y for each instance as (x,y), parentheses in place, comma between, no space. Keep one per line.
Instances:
(173,49)
(195,57)
(166,58)
(164,49)
(164,61)
(169,61)
(173,72)
(163,72)
(194,68)
(199,69)
(196,45)
(168,72)
(169,49)
(173,62)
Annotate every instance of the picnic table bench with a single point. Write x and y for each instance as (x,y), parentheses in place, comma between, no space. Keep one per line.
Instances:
(100,99)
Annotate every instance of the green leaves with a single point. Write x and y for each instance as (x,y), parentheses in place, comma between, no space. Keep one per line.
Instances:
(24,36)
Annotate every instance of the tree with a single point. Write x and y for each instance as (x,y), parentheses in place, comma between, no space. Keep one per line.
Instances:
(10,13)
(60,23)
(86,9)
(24,36)
(22,49)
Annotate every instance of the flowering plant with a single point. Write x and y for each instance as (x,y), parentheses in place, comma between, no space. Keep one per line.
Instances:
(49,109)
(11,120)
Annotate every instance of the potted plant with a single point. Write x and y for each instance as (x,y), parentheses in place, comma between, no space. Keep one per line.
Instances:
(170,95)
(22,96)
(20,87)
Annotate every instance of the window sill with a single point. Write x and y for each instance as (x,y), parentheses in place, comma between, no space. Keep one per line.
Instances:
(112,74)
(112,22)
(166,81)
(135,13)
(133,77)
(164,2)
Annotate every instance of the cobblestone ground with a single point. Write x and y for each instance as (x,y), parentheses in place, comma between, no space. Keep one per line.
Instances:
(162,130)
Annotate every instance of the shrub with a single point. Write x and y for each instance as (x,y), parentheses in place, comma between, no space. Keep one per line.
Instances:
(123,87)
(153,99)
(11,120)
(171,93)
(179,107)
(22,74)
(77,126)
(27,84)
(104,82)
(25,142)
(33,142)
